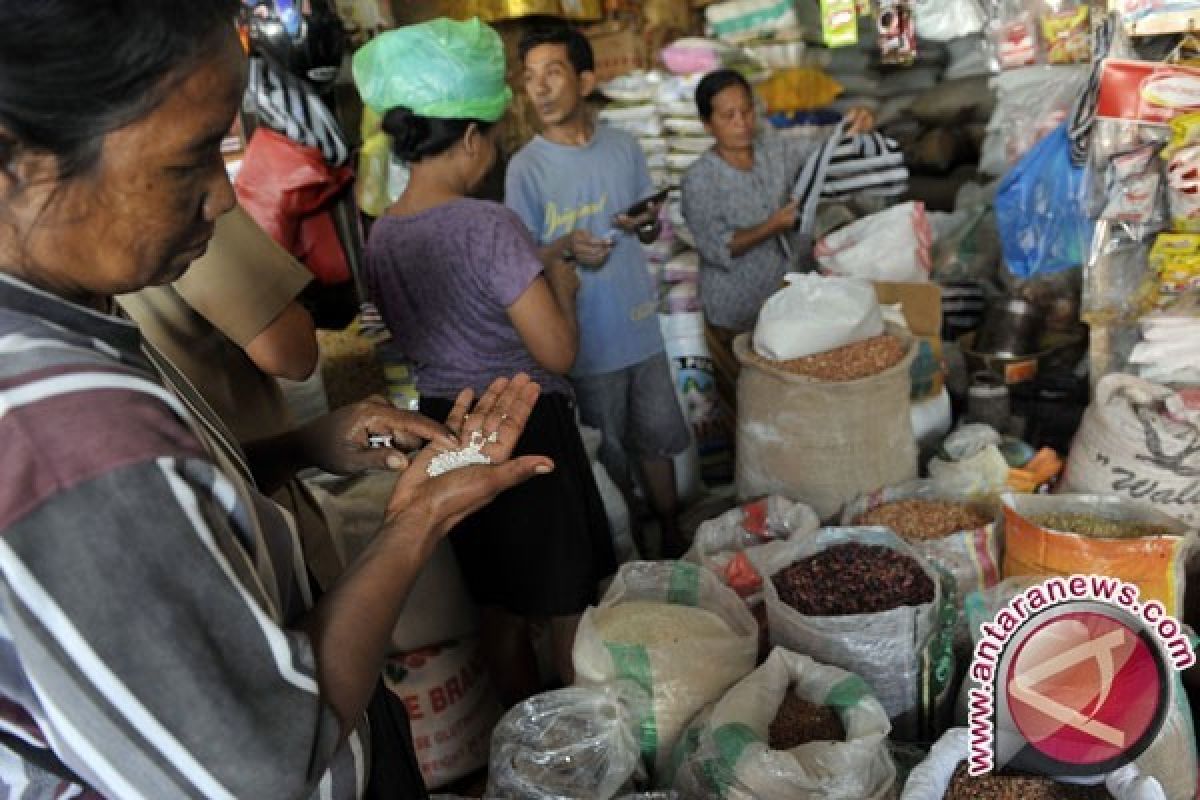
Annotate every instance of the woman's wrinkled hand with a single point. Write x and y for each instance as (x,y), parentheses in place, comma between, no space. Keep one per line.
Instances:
(446,499)
(341,441)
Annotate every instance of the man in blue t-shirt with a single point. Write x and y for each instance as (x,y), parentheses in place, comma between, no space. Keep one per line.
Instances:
(570,186)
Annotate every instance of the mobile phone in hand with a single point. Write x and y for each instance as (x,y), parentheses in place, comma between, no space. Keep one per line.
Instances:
(643,205)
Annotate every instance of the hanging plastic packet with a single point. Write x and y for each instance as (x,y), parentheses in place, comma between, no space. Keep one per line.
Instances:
(1134,200)
(1126,165)
(897,32)
(1183,189)
(1066,34)
(1175,262)
(839,23)
(1015,41)
(1185,130)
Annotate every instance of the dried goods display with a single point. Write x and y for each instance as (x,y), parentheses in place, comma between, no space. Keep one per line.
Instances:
(799,722)
(853,578)
(917,519)
(847,363)
(1002,786)
(1099,527)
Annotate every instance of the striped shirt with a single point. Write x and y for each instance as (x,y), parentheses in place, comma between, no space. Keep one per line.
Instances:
(149,596)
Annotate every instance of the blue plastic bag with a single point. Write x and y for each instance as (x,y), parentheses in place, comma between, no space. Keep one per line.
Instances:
(1040,210)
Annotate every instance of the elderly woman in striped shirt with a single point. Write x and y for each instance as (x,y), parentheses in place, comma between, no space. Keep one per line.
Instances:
(159,635)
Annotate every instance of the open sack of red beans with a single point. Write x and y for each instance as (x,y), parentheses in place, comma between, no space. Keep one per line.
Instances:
(792,728)
(864,600)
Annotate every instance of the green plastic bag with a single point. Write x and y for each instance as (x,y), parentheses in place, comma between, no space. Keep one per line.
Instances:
(441,68)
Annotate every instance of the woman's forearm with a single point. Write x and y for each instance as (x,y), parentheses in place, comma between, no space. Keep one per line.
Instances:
(746,239)
(351,626)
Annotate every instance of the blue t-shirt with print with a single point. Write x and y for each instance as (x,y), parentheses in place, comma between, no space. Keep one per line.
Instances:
(555,189)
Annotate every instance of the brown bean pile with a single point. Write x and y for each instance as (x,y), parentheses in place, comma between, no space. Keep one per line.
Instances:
(1099,527)
(917,520)
(853,578)
(799,722)
(848,363)
(1003,786)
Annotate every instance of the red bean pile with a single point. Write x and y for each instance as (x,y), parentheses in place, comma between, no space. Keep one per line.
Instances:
(1017,787)
(853,578)
(799,722)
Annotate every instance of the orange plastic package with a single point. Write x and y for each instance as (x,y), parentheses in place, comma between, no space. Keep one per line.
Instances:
(1153,554)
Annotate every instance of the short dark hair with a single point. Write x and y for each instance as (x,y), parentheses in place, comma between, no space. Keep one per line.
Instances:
(579,49)
(72,71)
(713,84)
(415,137)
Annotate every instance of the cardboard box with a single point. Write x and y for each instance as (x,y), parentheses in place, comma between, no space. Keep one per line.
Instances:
(618,51)
(922,307)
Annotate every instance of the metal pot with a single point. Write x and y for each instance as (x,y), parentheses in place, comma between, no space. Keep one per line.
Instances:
(1010,329)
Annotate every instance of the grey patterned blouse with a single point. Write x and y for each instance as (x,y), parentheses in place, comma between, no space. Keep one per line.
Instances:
(718,200)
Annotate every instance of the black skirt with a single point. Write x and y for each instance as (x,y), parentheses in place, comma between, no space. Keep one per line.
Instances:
(539,549)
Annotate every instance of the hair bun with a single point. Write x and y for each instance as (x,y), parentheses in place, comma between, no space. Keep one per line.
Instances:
(409,132)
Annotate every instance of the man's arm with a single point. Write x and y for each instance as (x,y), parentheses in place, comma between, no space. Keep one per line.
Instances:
(287,347)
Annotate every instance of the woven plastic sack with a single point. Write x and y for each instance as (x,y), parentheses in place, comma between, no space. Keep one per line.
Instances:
(930,779)
(726,755)
(1133,444)
(744,20)
(972,557)
(1155,564)
(905,655)
(569,744)
(441,68)
(720,541)
(1040,211)
(682,676)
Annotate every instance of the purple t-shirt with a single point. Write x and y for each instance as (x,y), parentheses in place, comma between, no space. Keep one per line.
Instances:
(443,280)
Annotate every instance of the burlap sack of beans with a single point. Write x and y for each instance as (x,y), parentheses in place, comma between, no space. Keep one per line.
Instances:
(822,443)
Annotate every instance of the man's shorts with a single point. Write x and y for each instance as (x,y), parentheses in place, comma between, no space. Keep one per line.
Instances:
(636,409)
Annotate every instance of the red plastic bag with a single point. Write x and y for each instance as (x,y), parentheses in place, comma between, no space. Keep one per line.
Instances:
(741,576)
(289,190)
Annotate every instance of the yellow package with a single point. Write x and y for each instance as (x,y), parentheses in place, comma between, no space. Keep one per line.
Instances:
(1185,131)
(1066,36)
(371,182)
(799,89)
(1171,246)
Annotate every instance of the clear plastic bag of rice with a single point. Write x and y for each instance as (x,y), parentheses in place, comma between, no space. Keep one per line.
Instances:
(569,744)
(675,630)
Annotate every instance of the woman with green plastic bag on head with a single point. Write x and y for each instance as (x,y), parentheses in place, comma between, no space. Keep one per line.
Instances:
(460,286)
